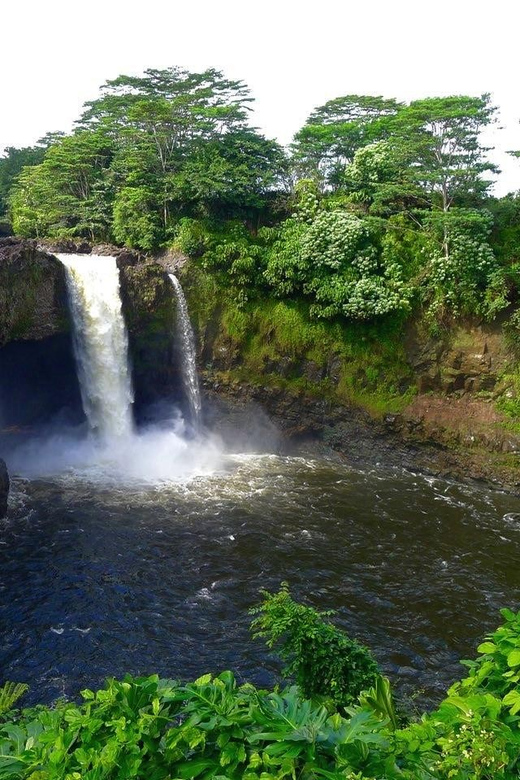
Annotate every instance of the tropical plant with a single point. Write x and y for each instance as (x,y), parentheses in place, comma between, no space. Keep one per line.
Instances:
(215,729)
(10,692)
(324,660)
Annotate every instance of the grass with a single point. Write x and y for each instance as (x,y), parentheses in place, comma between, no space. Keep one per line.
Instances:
(277,343)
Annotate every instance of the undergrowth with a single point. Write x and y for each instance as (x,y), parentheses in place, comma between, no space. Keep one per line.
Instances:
(337,723)
(361,364)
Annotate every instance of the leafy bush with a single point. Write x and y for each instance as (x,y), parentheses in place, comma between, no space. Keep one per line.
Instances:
(191,237)
(9,694)
(336,259)
(214,729)
(322,658)
(463,275)
(136,222)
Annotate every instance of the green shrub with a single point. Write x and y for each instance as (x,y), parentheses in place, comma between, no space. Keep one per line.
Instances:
(215,729)
(10,692)
(322,658)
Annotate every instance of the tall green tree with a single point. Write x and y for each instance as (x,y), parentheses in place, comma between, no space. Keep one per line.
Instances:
(335,131)
(441,137)
(70,192)
(184,137)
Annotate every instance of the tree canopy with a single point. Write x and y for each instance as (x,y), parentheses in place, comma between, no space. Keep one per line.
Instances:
(377,205)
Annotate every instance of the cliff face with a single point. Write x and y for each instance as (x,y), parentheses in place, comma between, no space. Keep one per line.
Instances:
(390,393)
(33,293)
(37,369)
(443,403)
(149,311)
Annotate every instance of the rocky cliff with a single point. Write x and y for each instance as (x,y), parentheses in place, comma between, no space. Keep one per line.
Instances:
(149,310)
(33,293)
(399,395)
(37,370)
(445,403)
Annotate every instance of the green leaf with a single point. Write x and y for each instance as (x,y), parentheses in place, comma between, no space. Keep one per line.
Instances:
(487,647)
(204,680)
(513,659)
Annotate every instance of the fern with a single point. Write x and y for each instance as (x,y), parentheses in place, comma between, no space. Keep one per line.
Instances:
(10,692)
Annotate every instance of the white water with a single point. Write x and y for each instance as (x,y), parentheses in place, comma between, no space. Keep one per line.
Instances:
(116,454)
(189,366)
(156,456)
(101,344)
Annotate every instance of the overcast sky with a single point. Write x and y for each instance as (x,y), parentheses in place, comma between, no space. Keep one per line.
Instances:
(54,54)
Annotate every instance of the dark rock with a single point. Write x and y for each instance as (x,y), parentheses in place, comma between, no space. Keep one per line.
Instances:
(428,382)
(4,488)
(59,246)
(313,372)
(39,383)
(148,304)
(108,250)
(171,260)
(33,292)
(126,258)
(68,246)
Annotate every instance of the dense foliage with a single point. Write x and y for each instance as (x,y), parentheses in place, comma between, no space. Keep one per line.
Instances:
(216,728)
(377,207)
(323,659)
(147,152)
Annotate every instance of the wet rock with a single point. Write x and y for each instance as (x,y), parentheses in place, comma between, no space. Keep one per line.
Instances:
(313,372)
(127,258)
(149,309)
(4,488)
(429,382)
(33,292)
(106,250)
(63,245)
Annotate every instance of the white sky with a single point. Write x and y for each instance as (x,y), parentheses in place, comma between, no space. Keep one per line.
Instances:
(54,54)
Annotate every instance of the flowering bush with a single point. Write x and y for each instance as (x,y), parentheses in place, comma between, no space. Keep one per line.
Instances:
(463,275)
(335,258)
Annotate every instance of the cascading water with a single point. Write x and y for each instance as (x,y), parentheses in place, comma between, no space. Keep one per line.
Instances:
(101,344)
(117,453)
(189,366)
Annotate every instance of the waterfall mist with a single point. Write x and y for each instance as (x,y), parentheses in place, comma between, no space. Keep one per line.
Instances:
(109,447)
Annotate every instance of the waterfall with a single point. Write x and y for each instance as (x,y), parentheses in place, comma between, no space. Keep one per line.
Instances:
(100,343)
(189,366)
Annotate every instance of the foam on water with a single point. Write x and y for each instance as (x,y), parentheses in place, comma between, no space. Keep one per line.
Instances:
(153,456)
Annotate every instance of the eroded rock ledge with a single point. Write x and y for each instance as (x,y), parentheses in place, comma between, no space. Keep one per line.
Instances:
(33,292)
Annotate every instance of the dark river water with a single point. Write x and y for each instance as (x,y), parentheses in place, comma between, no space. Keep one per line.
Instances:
(101,576)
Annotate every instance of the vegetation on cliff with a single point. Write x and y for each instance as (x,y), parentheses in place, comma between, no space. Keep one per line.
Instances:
(377,207)
(338,721)
(319,258)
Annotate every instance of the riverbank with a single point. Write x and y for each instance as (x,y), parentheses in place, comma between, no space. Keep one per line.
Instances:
(391,392)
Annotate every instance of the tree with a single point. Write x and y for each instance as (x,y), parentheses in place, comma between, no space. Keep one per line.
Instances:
(184,138)
(233,175)
(11,165)
(335,131)
(441,139)
(382,180)
(70,192)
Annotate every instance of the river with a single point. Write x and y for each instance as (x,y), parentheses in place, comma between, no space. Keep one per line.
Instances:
(102,575)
